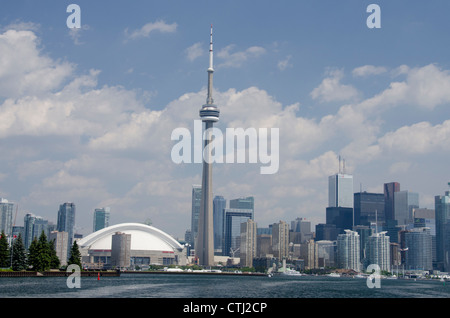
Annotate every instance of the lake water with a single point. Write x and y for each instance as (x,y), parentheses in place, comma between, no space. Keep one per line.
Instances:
(218,286)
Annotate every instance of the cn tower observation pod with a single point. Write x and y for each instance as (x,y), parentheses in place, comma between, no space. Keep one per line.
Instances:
(145,245)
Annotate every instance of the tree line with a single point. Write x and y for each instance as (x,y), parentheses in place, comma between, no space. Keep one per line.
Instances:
(40,256)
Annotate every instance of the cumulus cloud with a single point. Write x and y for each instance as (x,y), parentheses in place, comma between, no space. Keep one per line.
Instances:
(148,28)
(331,89)
(236,59)
(194,51)
(367,70)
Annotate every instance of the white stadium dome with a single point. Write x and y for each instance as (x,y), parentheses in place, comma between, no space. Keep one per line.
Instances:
(146,241)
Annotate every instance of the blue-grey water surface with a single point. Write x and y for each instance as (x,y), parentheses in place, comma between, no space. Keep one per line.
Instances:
(219,286)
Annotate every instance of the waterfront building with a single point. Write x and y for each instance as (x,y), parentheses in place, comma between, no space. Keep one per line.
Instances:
(389,199)
(419,254)
(404,204)
(66,222)
(248,243)
(280,240)
(264,245)
(147,245)
(60,240)
(326,253)
(219,205)
(327,232)
(442,213)
(348,250)
(33,228)
(364,232)
(120,250)
(195,212)
(378,250)
(6,217)
(101,218)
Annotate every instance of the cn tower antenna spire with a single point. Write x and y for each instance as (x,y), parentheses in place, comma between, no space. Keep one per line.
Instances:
(211,68)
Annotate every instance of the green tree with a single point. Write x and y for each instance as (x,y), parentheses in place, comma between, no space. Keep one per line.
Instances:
(54,260)
(39,253)
(5,261)
(19,257)
(75,255)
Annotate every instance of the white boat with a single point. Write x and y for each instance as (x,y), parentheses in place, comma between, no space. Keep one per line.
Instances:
(291,272)
(333,275)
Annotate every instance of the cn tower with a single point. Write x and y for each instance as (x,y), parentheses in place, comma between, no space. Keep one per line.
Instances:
(209,113)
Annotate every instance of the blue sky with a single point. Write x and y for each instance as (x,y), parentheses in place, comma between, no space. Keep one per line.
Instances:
(87,116)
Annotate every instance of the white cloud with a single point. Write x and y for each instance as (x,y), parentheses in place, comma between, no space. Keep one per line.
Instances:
(284,64)
(367,70)
(236,59)
(194,51)
(331,89)
(24,70)
(147,29)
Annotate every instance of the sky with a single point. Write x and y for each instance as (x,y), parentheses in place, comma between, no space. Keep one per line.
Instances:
(86,114)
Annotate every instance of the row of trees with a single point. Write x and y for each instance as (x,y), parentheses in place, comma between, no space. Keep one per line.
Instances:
(41,254)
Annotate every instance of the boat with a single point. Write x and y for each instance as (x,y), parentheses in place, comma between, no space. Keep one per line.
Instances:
(333,275)
(291,272)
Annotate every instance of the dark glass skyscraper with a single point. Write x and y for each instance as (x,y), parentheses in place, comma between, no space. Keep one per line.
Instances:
(389,206)
(369,207)
(219,205)
(66,221)
(442,212)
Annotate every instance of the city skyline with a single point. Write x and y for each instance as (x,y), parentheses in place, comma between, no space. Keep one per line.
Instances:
(86,114)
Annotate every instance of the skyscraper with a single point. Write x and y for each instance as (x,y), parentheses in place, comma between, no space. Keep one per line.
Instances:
(378,250)
(6,217)
(209,114)
(442,214)
(219,205)
(369,208)
(280,240)
(389,190)
(419,254)
(340,190)
(33,227)
(404,204)
(195,212)
(101,218)
(248,243)
(66,221)
(348,250)
(232,230)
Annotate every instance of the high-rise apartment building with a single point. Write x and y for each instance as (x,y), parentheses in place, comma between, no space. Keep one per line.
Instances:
(60,240)
(419,254)
(280,240)
(6,217)
(248,243)
(442,214)
(101,218)
(66,222)
(348,245)
(340,190)
(378,250)
(33,227)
